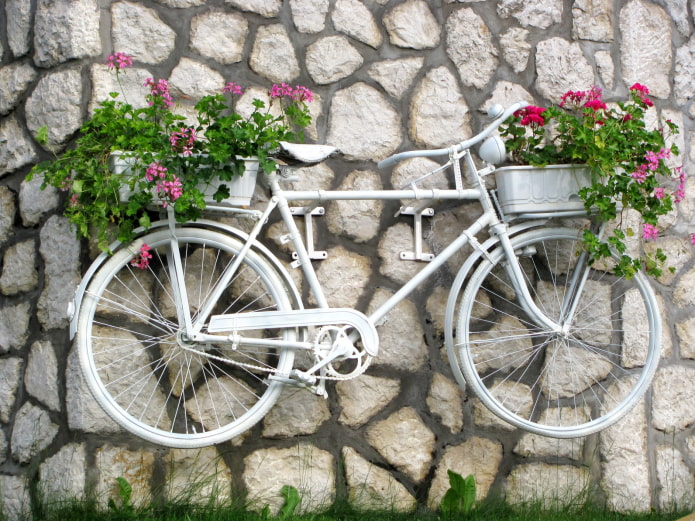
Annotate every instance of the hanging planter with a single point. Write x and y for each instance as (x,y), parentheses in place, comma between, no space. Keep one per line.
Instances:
(538,191)
(241,187)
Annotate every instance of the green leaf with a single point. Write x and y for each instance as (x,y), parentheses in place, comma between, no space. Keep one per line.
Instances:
(292,500)
(42,136)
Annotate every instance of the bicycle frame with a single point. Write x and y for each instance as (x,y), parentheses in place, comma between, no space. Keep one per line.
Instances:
(280,201)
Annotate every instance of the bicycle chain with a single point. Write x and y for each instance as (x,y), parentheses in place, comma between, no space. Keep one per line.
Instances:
(368,360)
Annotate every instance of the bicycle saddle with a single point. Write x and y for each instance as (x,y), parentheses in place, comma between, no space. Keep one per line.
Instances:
(302,153)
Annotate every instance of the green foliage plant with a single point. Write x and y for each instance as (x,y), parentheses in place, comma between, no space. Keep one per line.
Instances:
(170,160)
(629,162)
(460,498)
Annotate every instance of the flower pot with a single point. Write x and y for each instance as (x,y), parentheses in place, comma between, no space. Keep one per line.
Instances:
(530,190)
(241,187)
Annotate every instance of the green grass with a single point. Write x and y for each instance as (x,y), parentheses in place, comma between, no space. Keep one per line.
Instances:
(81,511)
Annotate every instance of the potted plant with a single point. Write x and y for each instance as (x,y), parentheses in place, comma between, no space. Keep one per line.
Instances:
(127,160)
(626,165)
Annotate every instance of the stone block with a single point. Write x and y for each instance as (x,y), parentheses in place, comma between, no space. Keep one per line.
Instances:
(404,441)
(304,467)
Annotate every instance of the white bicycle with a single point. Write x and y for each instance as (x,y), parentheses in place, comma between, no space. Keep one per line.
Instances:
(196,348)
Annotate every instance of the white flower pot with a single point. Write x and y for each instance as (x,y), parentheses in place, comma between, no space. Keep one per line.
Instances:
(241,187)
(541,190)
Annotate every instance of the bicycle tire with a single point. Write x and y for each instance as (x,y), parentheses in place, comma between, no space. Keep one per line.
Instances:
(562,385)
(141,371)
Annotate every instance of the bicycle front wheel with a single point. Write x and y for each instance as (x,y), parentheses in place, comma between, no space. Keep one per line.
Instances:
(561,384)
(143,371)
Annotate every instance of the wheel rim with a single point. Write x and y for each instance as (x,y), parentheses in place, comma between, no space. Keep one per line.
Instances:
(568,384)
(142,370)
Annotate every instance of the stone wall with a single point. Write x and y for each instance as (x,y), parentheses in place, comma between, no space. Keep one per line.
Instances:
(390,75)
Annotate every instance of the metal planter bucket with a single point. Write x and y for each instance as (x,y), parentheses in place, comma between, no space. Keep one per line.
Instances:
(542,191)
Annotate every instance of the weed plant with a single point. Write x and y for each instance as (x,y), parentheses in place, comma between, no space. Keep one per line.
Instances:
(484,511)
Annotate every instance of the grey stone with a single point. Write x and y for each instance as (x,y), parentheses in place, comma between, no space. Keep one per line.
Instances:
(516,48)
(17,149)
(135,466)
(181,4)
(535,13)
(309,16)
(480,457)
(412,25)
(15,78)
(219,35)
(404,441)
(550,485)
(439,115)
(356,112)
(60,250)
(673,394)
(469,45)
(14,324)
(353,18)
(273,55)
(592,20)
(308,469)
(83,412)
(65,30)
(675,480)
(41,377)
(678,11)
(32,432)
(15,499)
(361,398)
(344,276)
(396,76)
(683,296)
(194,80)
(35,203)
(296,413)
(200,475)
(8,210)
(10,371)
(140,32)
(401,336)
(3,447)
(357,220)
(535,446)
(55,104)
(605,67)
(19,271)
(63,475)
(561,66)
(129,86)
(684,85)
(267,8)
(19,19)
(398,239)
(646,60)
(625,466)
(445,401)
(436,307)
(686,338)
(331,59)
(373,488)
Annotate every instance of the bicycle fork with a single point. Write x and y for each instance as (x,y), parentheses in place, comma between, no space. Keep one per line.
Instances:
(520,284)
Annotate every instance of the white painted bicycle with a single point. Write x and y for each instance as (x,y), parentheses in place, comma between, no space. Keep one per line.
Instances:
(195,348)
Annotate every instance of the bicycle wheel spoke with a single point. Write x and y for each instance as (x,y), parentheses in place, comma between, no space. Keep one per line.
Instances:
(138,360)
(558,383)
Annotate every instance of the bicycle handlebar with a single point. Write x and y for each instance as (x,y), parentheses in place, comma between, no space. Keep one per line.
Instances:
(498,120)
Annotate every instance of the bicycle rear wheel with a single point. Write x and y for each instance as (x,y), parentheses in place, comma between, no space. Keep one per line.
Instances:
(141,369)
(566,384)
